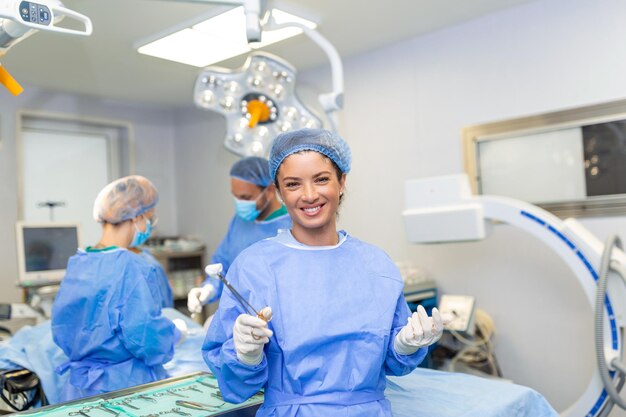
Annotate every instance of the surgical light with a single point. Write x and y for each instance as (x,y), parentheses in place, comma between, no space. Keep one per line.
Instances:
(258,101)
(20,19)
(224,33)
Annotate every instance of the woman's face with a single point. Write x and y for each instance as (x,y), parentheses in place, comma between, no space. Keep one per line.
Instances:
(309,186)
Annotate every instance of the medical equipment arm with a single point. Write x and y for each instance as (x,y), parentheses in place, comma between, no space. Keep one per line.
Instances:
(20,19)
(333,101)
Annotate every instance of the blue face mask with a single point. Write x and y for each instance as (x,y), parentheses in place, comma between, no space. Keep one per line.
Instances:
(140,237)
(246,209)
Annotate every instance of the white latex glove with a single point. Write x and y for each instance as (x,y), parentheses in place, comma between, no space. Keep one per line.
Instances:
(198,297)
(250,334)
(182,327)
(420,331)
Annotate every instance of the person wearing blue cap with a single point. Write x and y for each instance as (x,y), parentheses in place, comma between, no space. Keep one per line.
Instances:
(258,215)
(335,322)
(107,316)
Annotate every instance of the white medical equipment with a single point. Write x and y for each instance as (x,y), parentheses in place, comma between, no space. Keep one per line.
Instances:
(461,308)
(442,209)
(43,250)
(19,19)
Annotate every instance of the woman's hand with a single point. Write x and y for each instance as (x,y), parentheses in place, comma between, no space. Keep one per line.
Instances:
(420,331)
(250,334)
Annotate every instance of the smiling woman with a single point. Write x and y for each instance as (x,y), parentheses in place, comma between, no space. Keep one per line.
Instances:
(303,276)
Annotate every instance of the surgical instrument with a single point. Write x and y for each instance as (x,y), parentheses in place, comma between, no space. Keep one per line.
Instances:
(197,406)
(216,270)
(103,407)
(206,384)
(145,397)
(192,388)
(126,402)
(78,413)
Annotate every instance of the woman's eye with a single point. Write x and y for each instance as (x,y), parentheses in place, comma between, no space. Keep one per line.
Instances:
(291,184)
(323,179)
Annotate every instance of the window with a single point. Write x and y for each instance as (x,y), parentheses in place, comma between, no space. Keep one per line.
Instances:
(572,163)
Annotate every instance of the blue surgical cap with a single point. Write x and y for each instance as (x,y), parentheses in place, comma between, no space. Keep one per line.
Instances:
(252,169)
(327,143)
(125,199)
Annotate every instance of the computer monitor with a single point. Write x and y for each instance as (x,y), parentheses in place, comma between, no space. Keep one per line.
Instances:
(43,250)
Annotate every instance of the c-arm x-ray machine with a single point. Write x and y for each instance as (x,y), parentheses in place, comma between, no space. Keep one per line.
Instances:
(442,209)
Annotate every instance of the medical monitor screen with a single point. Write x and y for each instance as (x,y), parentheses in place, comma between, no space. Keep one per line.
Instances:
(44,251)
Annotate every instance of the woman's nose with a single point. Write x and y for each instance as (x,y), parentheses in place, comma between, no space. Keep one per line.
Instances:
(310,193)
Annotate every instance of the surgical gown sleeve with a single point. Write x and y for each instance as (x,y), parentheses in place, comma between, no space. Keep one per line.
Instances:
(237,381)
(396,364)
(146,333)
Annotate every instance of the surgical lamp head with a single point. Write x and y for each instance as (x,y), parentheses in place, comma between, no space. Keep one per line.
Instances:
(258,101)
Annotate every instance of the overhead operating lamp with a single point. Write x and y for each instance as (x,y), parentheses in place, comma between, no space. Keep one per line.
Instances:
(19,19)
(258,100)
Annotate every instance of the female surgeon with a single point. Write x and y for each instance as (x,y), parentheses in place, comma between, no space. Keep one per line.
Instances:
(107,314)
(336,322)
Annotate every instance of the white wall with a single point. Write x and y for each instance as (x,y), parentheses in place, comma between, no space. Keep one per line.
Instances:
(154,158)
(405,107)
(202,176)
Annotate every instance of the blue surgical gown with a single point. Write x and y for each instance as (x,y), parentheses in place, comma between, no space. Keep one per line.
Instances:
(107,321)
(336,312)
(162,283)
(240,235)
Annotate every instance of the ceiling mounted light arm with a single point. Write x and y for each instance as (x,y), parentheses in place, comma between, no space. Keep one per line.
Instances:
(333,101)
(20,19)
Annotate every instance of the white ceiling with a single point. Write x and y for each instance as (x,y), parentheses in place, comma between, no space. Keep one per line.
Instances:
(107,65)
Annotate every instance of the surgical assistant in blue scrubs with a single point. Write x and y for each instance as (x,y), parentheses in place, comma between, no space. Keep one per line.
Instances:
(335,320)
(163,284)
(258,215)
(107,314)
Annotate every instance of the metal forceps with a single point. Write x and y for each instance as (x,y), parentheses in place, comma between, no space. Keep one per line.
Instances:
(78,413)
(216,270)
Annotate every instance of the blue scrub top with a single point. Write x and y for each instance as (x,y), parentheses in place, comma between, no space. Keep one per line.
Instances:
(241,234)
(162,283)
(336,311)
(107,319)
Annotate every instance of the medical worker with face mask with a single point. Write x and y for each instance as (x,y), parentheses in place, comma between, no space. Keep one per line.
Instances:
(258,215)
(335,322)
(107,316)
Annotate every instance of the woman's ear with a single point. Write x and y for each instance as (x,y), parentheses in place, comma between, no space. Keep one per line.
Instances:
(342,184)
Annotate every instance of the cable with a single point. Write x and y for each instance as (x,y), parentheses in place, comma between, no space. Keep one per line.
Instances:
(478,353)
(605,266)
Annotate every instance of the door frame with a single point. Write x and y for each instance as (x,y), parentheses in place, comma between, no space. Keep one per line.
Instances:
(79,123)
